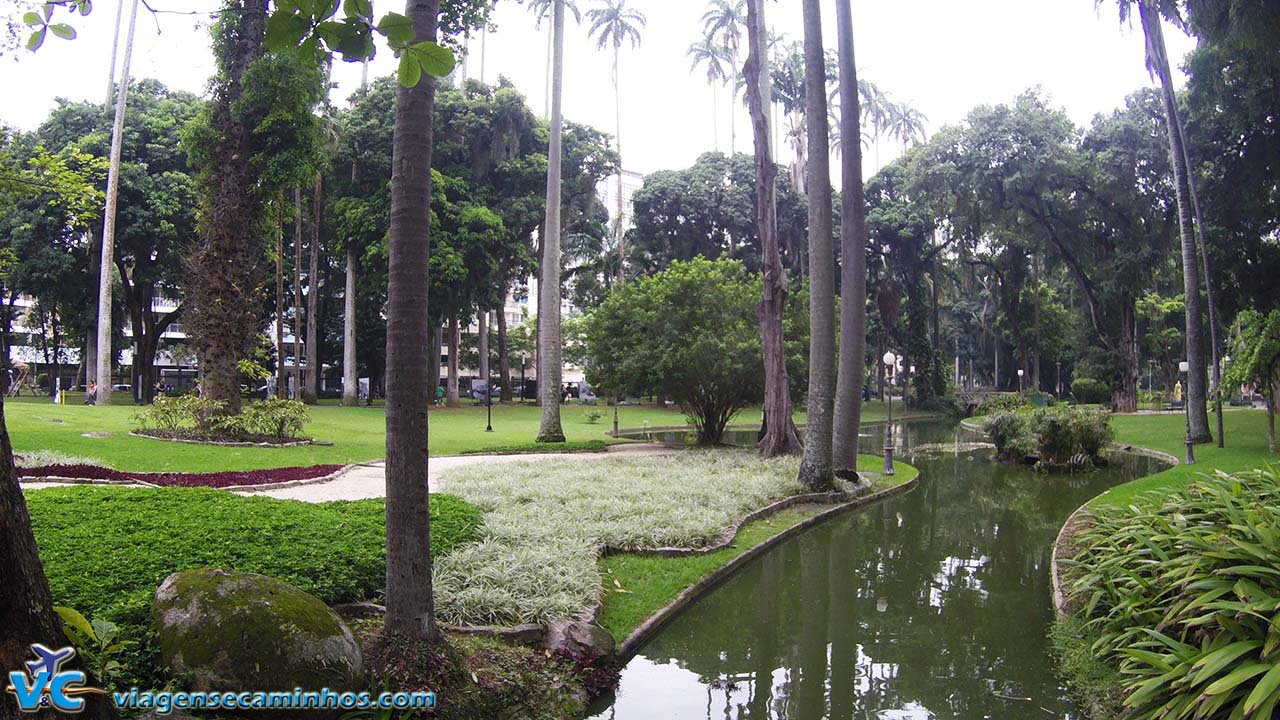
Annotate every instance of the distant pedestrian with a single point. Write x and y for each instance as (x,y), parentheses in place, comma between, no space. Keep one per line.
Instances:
(439,394)
(91,395)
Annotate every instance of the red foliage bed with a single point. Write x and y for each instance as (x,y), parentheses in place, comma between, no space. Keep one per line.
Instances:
(213,480)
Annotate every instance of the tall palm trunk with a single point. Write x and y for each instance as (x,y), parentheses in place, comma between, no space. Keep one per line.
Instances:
(451,382)
(280,379)
(504,356)
(107,251)
(297,293)
(310,394)
(1215,345)
(410,609)
(715,117)
(484,349)
(550,350)
(350,381)
(1198,417)
(617,114)
(853,259)
(779,436)
(815,466)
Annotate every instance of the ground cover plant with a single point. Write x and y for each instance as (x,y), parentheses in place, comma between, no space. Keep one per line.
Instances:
(544,522)
(239,478)
(105,550)
(1181,596)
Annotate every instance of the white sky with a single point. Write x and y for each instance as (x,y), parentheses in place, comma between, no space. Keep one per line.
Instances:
(942,56)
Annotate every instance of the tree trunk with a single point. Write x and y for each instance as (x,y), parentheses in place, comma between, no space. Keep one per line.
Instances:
(310,393)
(550,351)
(106,258)
(504,357)
(297,326)
(779,435)
(350,381)
(281,389)
(617,225)
(815,465)
(451,387)
(1271,425)
(1125,397)
(853,260)
(1194,341)
(433,361)
(410,608)
(483,318)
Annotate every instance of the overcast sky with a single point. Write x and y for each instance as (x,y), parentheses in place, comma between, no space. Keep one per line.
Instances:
(942,56)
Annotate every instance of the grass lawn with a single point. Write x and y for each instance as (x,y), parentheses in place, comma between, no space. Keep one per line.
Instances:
(637,586)
(357,434)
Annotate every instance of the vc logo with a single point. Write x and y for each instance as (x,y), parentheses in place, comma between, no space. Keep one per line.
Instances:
(45,684)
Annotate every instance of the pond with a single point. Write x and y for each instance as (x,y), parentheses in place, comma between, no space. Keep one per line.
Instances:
(931,604)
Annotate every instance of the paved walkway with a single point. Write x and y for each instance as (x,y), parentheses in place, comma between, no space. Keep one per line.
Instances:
(368,480)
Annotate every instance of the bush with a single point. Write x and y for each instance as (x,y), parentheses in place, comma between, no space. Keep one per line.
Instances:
(1088,391)
(105,550)
(1004,402)
(1010,433)
(198,418)
(1182,598)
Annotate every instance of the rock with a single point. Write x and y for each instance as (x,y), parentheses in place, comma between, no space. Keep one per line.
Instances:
(579,639)
(243,631)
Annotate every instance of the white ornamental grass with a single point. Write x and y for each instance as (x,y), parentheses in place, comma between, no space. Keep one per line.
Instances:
(545,519)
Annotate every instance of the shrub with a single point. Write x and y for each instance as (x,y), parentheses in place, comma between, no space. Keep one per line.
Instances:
(592,416)
(105,550)
(1092,430)
(194,417)
(1182,598)
(1055,437)
(1010,433)
(1004,402)
(1089,391)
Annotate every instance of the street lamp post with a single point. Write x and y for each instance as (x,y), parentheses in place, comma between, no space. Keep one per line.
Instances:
(890,362)
(1021,372)
(488,402)
(522,361)
(1183,368)
(616,402)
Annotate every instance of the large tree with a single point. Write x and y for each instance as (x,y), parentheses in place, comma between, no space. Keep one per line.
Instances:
(815,465)
(853,259)
(779,435)
(549,340)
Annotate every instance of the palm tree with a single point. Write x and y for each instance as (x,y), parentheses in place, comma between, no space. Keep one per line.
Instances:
(1149,14)
(853,259)
(905,123)
(706,52)
(410,608)
(815,466)
(541,9)
(613,24)
(778,435)
(724,21)
(107,251)
(549,340)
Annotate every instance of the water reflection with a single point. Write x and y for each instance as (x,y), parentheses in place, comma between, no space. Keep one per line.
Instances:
(930,605)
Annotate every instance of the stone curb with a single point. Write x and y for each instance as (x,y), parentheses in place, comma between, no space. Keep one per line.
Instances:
(261,487)
(291,443)
(631,645)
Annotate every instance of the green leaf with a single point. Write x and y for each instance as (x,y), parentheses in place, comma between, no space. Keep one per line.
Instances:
(409,72)
(285,30)
(398,30)
(63,30)
(1230,681)
(85,7)
(33,19)
(1209,665)
(73,619)
(1263,690)
(434,59)
(36,40)
(357,8)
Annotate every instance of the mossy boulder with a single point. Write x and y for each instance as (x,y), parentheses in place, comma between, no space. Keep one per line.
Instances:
(243,631)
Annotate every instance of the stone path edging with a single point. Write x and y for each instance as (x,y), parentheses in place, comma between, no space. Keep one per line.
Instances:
(226,443)
(655,622)
(60,480)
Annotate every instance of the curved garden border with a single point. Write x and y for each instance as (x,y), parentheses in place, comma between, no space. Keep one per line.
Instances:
(222,443)
(67,480)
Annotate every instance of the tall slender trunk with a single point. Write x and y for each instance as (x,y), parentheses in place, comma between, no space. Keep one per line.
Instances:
(296,325)
(350,382)
(281,389)
(617,114)
(779,435)
(90,358)
(1035,364)
(1215,344)
(433,361)
(310,393)
(715,117)
(107,257)
(550,351)
(815,466)
(483,317)
(410,608)
(1198,417)
(853,259)
(504,356)
(454,341)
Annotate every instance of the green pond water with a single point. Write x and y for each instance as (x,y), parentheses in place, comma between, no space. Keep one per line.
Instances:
(932,604)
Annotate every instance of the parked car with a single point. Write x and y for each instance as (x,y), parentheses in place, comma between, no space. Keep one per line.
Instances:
(122,388)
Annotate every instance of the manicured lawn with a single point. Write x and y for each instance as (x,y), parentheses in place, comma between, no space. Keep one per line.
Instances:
(637,586)
(357,434)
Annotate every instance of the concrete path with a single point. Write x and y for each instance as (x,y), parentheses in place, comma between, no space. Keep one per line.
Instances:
(368,480)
